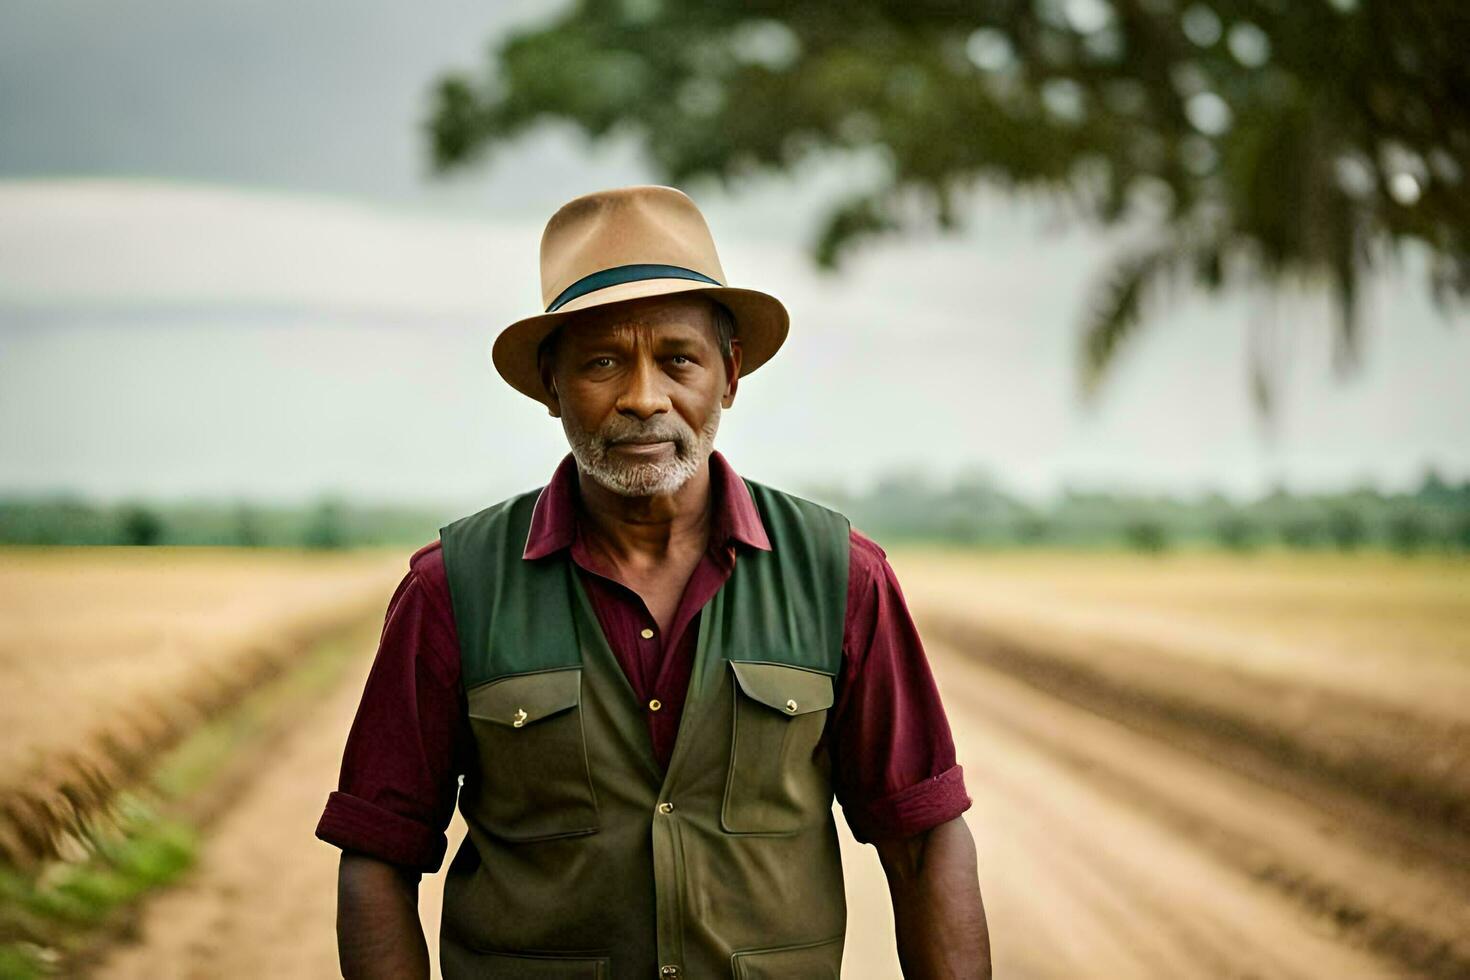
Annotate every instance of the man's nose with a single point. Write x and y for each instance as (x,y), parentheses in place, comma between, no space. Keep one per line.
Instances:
(644,394)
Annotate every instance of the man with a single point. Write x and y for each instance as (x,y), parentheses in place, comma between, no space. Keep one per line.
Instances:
(652,674)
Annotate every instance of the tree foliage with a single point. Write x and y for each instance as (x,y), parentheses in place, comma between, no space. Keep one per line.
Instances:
(1257,142)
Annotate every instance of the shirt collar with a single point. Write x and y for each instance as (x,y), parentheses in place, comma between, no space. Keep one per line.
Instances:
(554,519)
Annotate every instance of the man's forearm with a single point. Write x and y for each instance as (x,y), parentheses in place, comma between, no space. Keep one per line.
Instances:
(937,911)
(378,930)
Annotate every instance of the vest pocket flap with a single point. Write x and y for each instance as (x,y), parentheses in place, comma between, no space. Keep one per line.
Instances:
(525,698)
(809,961)
(464,961)
(789,690)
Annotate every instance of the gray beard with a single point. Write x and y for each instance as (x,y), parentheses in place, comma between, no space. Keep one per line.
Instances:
(638,478)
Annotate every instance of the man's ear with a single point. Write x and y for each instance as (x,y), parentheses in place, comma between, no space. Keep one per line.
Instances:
(732,373)
(548,381)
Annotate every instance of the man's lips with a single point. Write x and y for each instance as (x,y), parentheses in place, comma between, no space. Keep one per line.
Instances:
(643,448)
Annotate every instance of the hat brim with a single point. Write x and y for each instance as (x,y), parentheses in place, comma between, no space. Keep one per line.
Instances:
(761,324)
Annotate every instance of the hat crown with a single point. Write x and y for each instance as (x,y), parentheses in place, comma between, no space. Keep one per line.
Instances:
(645,224)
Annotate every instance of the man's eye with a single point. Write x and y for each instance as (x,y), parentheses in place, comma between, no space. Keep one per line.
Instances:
(599,362)
(680,359)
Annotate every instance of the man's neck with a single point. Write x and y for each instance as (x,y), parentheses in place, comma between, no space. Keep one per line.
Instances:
(639,530)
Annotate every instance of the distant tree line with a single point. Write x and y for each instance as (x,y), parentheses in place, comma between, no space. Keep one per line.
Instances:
(970,511)
(327,524)
(974,511)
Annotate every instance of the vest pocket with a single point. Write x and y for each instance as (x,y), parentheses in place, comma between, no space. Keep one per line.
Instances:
(533,781)
(776,784)
(811,961)
(459,961)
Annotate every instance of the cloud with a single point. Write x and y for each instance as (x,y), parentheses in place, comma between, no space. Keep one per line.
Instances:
(144,245)
(177,338)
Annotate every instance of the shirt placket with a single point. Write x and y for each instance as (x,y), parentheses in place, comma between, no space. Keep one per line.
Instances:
(650,646)
(660,680)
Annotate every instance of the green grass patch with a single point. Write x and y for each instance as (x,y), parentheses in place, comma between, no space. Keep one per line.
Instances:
(146,840)
(45,915)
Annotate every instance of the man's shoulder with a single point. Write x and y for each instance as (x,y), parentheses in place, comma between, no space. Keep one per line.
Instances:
(778,505)
(426,566)
(865,549)
(524,501)
(428,560)
(867,561)
(759,488)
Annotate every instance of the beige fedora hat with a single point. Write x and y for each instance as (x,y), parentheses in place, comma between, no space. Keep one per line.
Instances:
(627,243)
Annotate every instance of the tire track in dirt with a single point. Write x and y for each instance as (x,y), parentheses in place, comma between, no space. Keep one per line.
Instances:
(1161,846)
(261,900)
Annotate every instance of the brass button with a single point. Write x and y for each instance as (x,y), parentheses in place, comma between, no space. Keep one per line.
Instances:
(655,704)
(519,719)
(790,705)
(647,634)
(666,808)
(670,972)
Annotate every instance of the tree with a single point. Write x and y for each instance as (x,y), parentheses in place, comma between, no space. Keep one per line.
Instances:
(1460,535)
(248,532)
(1259,142)
(1301,531)
(1235,532)
(139,525)
(326,527)
(1145,535)
(1346,528)
(1408,532)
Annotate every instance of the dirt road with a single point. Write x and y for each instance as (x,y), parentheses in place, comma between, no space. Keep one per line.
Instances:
(1087,869)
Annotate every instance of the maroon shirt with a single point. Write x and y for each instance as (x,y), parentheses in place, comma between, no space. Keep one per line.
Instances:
(893,759)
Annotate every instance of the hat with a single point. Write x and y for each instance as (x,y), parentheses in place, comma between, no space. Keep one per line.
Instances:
(627,243)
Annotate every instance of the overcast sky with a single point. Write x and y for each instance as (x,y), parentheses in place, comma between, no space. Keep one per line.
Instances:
(223,271)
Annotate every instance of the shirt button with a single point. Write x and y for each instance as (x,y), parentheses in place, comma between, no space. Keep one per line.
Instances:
(647,634)
(666,808)
(655,704)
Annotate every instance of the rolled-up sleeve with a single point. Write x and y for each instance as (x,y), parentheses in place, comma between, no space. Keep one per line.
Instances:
(401,765)
(894,769)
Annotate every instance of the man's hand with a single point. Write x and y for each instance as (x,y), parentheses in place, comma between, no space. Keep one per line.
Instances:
(378,931)
(937,912)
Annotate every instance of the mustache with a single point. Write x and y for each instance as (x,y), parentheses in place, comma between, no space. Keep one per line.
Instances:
(620,429)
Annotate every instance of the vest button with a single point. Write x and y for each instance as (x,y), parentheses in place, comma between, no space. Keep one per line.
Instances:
(655,704)
(666,808)
(647,634)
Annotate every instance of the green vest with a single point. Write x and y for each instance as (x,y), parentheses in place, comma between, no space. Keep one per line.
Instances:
(583,859)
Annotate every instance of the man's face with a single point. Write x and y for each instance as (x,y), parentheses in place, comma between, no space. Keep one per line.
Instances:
(639,387)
